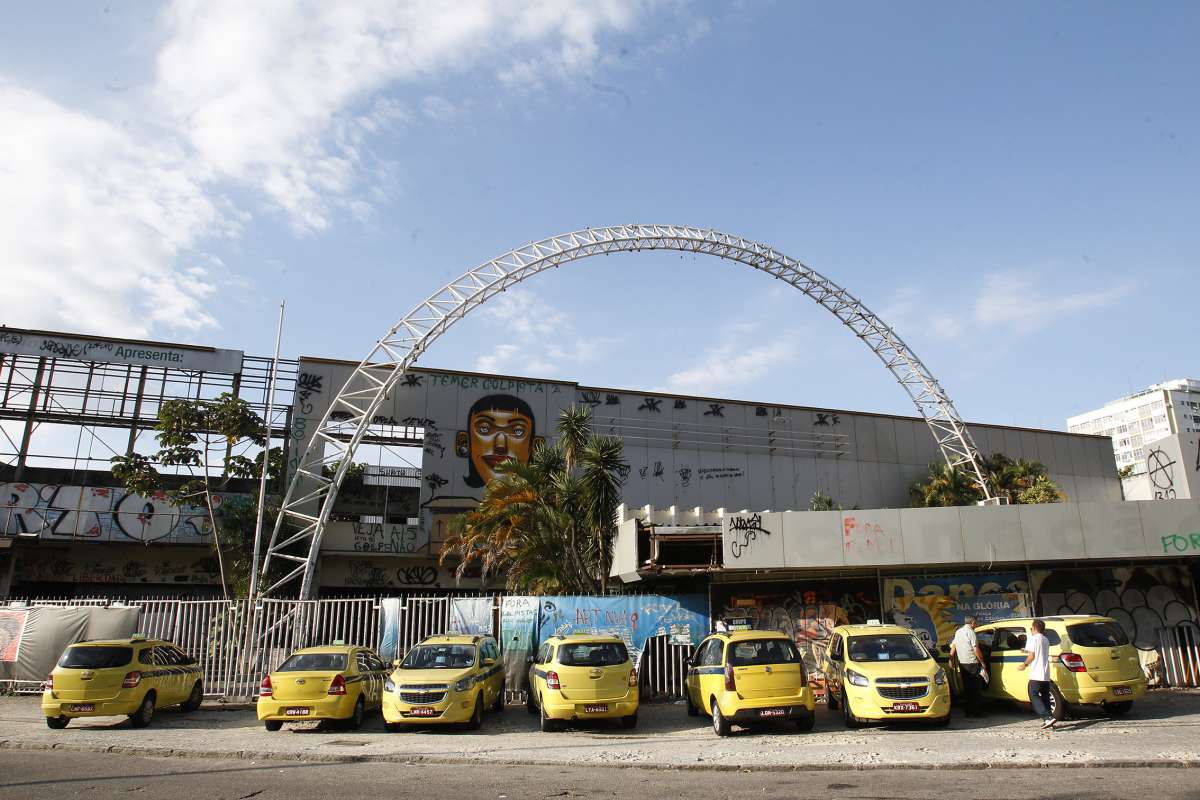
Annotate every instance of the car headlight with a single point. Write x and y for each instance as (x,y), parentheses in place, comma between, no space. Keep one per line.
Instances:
(389,685)
(463,685)
(856,679)
(939,677)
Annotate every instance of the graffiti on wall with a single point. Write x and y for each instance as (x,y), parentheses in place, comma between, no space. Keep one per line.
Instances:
(1141,599)
(499,427)
(114,565)
(101,514)
(807,612)
(934,607)
(12,628)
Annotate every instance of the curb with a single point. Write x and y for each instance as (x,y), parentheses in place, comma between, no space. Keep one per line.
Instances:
(399,758)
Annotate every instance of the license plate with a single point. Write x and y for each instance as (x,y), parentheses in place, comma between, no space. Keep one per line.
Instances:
(773,712)
(83,707)
(295,712)
(906,708)
(597,709)
(1122,690)
(422,711)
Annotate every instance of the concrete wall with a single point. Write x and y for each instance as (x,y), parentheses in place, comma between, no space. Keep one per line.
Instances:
(991,534)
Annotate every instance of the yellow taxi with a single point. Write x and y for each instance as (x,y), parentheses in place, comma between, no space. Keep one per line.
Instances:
(1091,663)
(743,677)
(131,677)
(582,676)
(882,672)
(336,682)
(445,680)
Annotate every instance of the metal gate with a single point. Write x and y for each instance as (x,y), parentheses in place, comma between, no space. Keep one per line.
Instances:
(1180,649)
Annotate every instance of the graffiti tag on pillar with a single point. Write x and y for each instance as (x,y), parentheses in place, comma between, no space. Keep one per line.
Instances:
(743,531)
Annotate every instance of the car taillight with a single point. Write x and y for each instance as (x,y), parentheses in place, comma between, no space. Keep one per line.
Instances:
(552,681)
(132,679)
(730,683)
(633,677)
(337,685)
(1073,662)
(265,689)
(50,682)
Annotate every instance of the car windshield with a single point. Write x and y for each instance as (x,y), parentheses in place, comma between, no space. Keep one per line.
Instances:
(96,657)
(887,647)
(764,651)
(439,656)
(314,662)
(1097,634)
(593,654)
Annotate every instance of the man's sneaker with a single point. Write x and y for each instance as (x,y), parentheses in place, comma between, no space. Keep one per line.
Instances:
(1049,723)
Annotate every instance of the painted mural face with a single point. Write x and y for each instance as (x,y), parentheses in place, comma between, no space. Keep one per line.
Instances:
(499,427)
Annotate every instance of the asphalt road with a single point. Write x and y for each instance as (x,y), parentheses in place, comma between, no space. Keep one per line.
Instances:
(58,775)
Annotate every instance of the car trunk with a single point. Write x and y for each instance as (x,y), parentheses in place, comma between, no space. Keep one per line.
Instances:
(594,683)
(290,687)
(768,680)
(1105,652)
(88,685)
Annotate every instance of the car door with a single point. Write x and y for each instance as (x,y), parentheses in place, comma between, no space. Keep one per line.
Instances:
(835,665)
(187,669)
(536,683)
(1008,654)
(496,677)
(695,676)
(167,678)
(366,678)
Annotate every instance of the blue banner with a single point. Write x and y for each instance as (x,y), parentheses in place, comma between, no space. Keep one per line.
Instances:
(633,618)
(935,607)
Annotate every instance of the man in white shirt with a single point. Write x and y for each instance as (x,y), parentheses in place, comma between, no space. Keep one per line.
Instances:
(965,650)
(1037,660)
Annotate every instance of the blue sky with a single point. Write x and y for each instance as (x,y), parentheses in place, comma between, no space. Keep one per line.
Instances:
(1012,187)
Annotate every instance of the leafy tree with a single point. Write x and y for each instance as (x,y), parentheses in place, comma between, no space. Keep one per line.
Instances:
(1042,490)
(1125,472)
(549,524)
(200,437)
(823,502)
(946,486)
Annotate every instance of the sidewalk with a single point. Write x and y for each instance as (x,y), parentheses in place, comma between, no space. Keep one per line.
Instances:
(1162,730)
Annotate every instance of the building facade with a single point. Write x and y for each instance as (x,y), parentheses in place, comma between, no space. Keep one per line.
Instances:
(1135,421)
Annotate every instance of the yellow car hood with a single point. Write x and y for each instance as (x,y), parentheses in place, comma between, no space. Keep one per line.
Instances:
(894,669)
(446,676)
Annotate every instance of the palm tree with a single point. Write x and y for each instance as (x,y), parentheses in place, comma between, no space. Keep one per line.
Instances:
(548,525)
(945,486)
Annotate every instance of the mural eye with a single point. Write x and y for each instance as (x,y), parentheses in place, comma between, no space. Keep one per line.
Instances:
(483,428)
(518,431)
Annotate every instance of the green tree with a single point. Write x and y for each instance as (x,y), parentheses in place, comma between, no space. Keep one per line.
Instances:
(204,439)
(547,525)
(946,486)
(1041,490)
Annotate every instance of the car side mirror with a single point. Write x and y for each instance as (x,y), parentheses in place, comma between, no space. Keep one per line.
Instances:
(396,664)
(489,662)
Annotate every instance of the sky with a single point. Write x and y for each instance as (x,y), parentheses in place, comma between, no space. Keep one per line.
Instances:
(1012,187)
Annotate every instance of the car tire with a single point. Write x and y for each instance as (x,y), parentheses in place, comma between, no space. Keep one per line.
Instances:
(830,700)
(547,725)
(273,725)
(806,721)
(530,705)
(692,711)
(476,720)
(356,719)
(145,713)
(57,723)
(721,726)
(1118,709)
(498,706)
(195,698)
(852,721)
(1059,709)
(629,722)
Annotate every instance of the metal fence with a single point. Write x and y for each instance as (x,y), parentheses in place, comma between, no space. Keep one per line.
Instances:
(1180,649)
(237,642)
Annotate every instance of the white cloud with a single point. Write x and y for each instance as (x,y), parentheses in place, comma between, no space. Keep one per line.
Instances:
(542,339)
(96,228)
(728,365)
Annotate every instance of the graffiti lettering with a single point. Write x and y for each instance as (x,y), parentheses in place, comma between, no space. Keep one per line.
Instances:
(826,418)
(760,411)
(307,385)
(743,531)
(376,538)
(340,416)
(715,410)
(685,476)
(1175,543)
(383,419)
(1161,468)
(590,398)
(412,380)
(715,473)
(612,400)
(417,576)
(680,404)
(651,404)
(435,481)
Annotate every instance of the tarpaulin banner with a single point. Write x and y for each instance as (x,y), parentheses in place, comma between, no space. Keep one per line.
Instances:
(12,626)
(634,619)
(389,628)
(518,637)
(935,607)
(472,616)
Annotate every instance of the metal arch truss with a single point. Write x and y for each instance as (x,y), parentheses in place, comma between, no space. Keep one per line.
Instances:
(313,490)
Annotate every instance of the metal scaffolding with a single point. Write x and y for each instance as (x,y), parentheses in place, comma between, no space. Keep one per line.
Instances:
(311,494)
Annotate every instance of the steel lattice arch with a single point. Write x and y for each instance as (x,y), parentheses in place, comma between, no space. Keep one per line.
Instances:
(312,491)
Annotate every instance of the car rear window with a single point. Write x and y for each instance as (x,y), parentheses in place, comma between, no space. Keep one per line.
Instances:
(314,662)
(439,656)
(599,654)
(887,647)
(96,657)
(764,651)
(1097,634)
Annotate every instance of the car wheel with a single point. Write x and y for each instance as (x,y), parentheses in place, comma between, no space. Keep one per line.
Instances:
(273,725)
(1058,706)
(805,722)
(356,719)
(195,698)
(476,721)
(830,700)
(57,723)
(547,725)
(530,706)
(145,713)
(847,714)
(692,711)
(498,706)
(721,726)
(629,722)
(1118,709)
